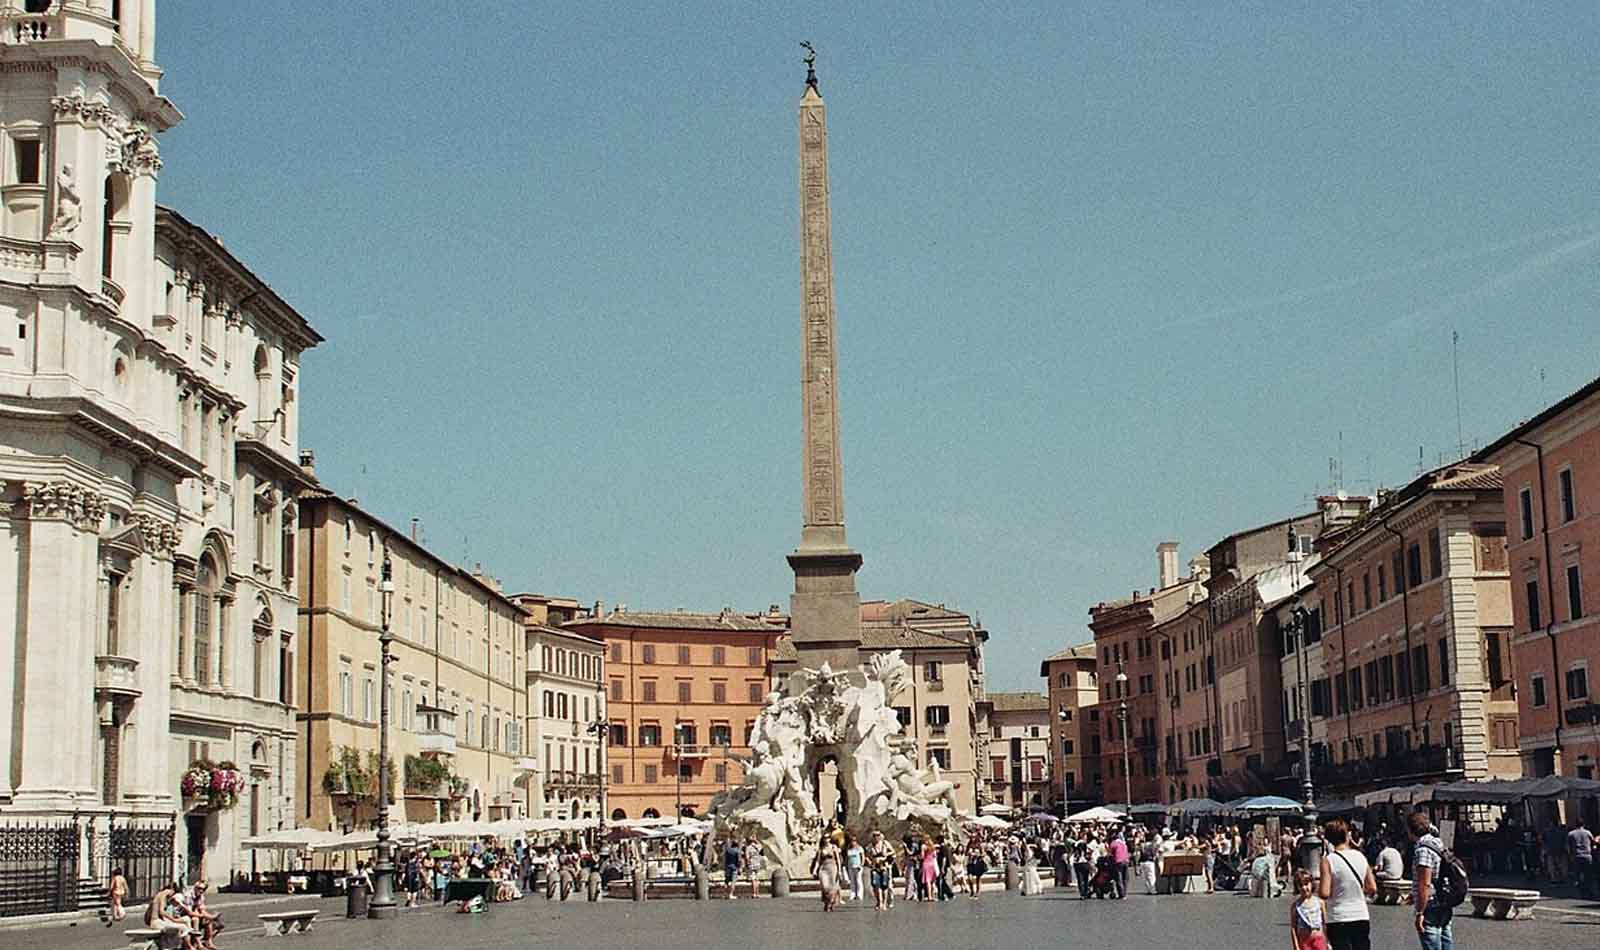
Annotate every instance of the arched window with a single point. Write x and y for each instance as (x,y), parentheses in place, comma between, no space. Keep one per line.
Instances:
(617,814)
(205,609)
(263,366)
(651,813)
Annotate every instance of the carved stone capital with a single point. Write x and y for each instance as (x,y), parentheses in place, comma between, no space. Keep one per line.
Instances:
(85,111)
(161,536)
(64,501)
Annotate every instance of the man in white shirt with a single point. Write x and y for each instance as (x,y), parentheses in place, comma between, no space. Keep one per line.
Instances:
(1391,867)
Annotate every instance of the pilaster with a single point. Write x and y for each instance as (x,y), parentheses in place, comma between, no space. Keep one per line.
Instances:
(58,647)
(1463,630)
(13,581)
(146,783)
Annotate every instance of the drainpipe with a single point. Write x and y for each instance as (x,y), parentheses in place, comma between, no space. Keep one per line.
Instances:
(1549,587)
(1344,650)
(1405,614)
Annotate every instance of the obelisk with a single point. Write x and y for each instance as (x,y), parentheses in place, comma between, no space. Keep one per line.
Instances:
(825,611)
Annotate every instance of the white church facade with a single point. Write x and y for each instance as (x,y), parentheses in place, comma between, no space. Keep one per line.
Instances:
(148,474)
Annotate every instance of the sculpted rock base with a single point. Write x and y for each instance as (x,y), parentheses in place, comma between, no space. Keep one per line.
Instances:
(846,717)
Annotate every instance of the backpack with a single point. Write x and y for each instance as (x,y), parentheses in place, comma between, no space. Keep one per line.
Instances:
(1450,884)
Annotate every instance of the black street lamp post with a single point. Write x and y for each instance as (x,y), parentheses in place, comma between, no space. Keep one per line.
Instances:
(383,904)
(1122,714)
(1309,853)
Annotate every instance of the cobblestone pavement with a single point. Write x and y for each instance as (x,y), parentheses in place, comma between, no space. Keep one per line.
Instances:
(1215,922)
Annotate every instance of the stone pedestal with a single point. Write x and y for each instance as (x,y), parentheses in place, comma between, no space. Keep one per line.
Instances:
(825,610)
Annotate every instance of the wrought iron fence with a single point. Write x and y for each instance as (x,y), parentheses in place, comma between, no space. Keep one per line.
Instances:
(39,867)
(143,849)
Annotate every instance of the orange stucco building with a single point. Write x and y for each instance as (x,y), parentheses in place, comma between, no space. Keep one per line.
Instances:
(682,691)
(1550,469)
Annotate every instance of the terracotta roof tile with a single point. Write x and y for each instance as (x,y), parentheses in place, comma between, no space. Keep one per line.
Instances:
(1018,702)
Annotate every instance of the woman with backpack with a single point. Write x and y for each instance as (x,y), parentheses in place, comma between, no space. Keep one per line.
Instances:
(1344,885)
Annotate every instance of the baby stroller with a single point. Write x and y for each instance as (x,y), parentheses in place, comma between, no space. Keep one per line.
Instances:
(1225,872)
(1101,885)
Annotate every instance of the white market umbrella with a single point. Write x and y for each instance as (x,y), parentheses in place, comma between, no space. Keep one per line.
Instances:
(995,808)
(1098,813)
(989,821)
(288,839)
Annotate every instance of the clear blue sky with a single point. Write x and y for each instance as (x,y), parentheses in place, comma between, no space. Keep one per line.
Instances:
(1105,276)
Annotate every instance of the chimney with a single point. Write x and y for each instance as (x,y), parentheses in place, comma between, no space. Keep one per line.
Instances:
(1167,555)
(599,610)
(1199,568)
(308,463)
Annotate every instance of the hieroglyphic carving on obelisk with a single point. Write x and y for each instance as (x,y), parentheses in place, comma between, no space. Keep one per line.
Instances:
(823,484)
(825,611)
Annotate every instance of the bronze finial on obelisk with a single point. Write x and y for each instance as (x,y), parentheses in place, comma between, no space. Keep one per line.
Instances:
(825,611)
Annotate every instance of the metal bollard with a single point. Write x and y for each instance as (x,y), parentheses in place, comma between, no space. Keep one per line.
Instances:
(702,883)
(1013,876)
(638,884)
(780,882)
(594,886)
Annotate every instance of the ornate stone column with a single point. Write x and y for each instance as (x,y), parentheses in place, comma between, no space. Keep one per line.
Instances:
(58,647)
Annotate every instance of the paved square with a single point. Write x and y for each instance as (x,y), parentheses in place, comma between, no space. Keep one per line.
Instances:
(1217,922)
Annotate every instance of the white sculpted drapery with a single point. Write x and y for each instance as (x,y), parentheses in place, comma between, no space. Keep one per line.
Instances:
(849,718)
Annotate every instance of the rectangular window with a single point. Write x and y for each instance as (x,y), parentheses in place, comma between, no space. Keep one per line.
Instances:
(997,769)
(344,692)
(1569,501)
(1383,584)
(1577,683)
(650,774)
(1402,674)
(941,757)
(1066,746)
(648,687)
(1536,688)
(1525,512)
(619,735)
(1574,593)
(1493,659)
(1444,661)
(721,734)
(719,692)
(1341,695)
(719,774)
(683,654)
(27,155)
(1355,688)
(1386,677)
(650,734)
(1374,696)
(1366,592)
(648,652)
(938,716)
(683,691)
(752,656)
(616,652)
(1532,589)
(719,656)
(753,691)
(1435,556)
(616,691)
(1419,669)
(1350,597)
(1413,565)
(616,774)
(933,671)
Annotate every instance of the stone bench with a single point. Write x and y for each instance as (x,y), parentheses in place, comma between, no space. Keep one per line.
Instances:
(150,938)
(278,924)
(1393,891)
(1503,903)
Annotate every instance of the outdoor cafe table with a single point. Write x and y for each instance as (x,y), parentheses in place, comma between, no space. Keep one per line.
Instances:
(467,889)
